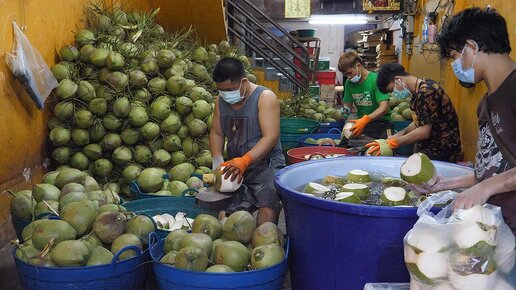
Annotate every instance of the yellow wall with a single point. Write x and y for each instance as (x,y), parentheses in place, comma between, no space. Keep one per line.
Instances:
(427,64)
(205,16)
(51,25)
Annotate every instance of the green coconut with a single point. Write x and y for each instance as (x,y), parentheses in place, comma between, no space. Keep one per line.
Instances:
(97,131)
(169,258)
(219,269)
(110,142)
(62,155)
(191,258)
(137,79)
(266,256)
(122,155)
(79,160)
(68,175)
(80,137)
(177,158)
(98,57)
(150,66)
(70,253)
(138,116)
(50,177)
(64,110)
(93,151)
(197,128)
(130,136)
(66,89)
(142,154)
(60,72)
(358,176)
(395,196)
(362,191)
(98,106)
(22,206)
(348,197)
(157,85)
(109,225)
(47,230)
(46,207)
(207,224)
(151,179)
(118,80)
(83,119)
(418,169)
(150,131)
(114,61)
(171,124)
(267,233)
(84,36)
(194,182)
(161,158)
(102,167)
(182,172)
(176,85)
(172,143)
(240,227)
(121,107)
(80,215)
(232,254)
(190,146)
(159,110)
(99,256)
(86,91)
(125,240)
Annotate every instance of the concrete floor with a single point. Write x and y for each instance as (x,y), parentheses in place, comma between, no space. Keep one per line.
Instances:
(9,278)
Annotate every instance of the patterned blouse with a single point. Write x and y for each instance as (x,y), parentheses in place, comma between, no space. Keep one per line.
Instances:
(431,105)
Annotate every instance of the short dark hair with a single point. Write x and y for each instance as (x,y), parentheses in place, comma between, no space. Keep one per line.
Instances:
(228,68)
(387,73)
(485,26)
(349,59)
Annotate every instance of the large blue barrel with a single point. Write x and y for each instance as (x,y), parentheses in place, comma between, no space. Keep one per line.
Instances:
(341,245)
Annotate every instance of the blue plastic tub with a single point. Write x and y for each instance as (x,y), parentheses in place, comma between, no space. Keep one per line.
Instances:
(128,274)
(170,278)
(334,133)
(326,127)
(341,245)
(19,224)
(170,205)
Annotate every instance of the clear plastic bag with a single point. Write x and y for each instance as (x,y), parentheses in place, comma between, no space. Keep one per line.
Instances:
(469,249)
(27,65)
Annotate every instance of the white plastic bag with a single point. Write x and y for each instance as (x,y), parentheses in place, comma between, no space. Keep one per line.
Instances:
(469,249)
(27,65)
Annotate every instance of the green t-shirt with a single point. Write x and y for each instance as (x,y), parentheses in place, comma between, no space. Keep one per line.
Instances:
(365,95)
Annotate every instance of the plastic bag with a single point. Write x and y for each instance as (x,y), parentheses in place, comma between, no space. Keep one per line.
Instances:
(469,249)
(27,65)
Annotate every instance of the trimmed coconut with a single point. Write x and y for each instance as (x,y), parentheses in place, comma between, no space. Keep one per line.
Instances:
(395,196)
(385,149)
(315,188)
(225,185)
(477,214)
(333,179)
(418,169)
(358,176)
(361,190)
(427,239)
(346,130)
(430,267)
(349,197)
(477,281)
(469,235)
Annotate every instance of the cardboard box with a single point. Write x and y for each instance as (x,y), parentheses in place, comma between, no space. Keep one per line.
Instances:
(328,94)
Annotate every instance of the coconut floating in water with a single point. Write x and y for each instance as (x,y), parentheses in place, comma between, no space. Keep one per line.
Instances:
(418,169)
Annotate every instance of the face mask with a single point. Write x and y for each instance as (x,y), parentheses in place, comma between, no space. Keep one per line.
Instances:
(468,75)
(405,93)
(356,78)
(231,97)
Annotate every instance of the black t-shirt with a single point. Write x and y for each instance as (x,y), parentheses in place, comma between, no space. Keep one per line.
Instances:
(489,159)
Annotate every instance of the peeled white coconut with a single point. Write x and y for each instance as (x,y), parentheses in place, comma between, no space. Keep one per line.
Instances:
(477,214)
(358,176)
(418,169)
(346,130)
(360,190)
(430,267)
(225,185)
(315,188)
(470,234)
(333,179)
(502,284)
(427,239)
(476,281)
(395,196)
(409,254)
(349,197)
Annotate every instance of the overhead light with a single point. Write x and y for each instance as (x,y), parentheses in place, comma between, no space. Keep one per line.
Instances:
(337,19)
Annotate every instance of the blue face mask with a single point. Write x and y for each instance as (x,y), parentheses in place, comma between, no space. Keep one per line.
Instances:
(356,78)
(405,93)
(464,75)
(231,97)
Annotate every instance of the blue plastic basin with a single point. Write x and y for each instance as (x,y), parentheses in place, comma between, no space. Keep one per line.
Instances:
(341,245)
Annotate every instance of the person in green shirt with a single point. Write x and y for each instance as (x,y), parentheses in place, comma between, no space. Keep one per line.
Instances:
(360,89)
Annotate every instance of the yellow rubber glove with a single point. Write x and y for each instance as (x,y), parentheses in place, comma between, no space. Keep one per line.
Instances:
(236,167)
(360,125)
(374,147)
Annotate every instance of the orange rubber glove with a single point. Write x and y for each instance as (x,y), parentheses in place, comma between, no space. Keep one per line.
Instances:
(360,125)
(241,163)
(375,146)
